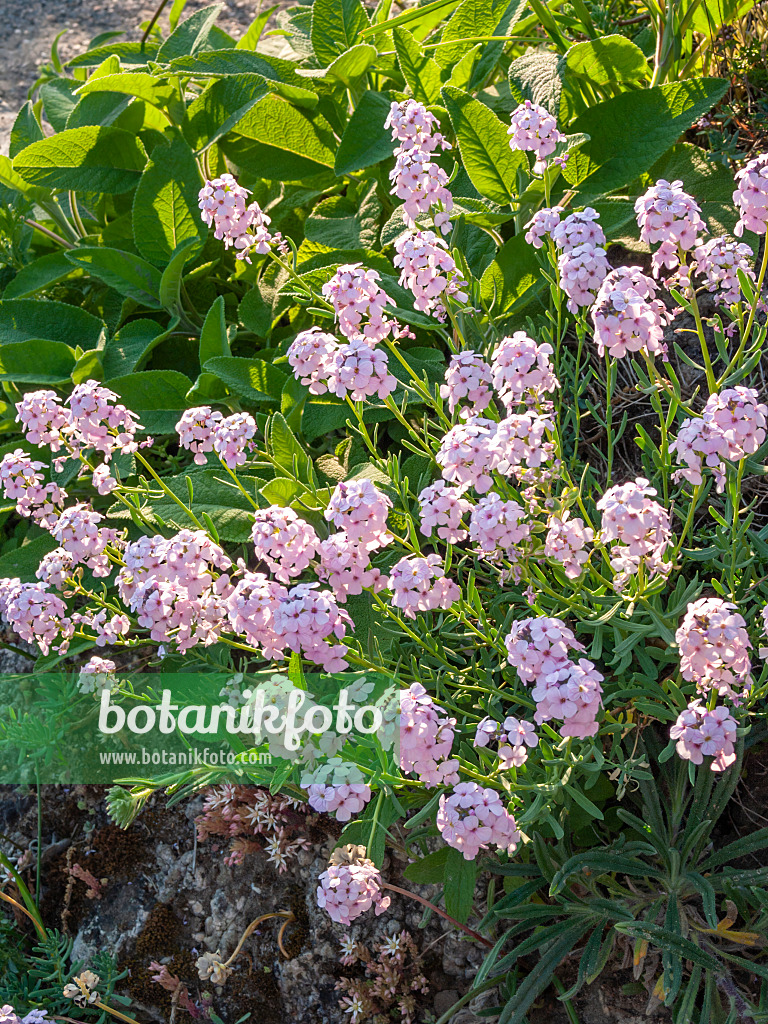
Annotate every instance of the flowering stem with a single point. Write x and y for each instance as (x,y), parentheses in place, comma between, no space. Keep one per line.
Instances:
(240,486)
(753,310)
(420,899)
(169,492)
(736,507)
(689,519)
(711,381)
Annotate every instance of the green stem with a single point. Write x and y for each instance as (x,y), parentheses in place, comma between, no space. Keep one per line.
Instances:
(169,493)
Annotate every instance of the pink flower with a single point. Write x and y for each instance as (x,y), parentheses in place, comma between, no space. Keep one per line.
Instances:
(306,619)
(466,456)
(360,509)
(345,565)
(521,369)
(98,421)
(566,541)
(578,229)
(714,648)
(78,533)
(473,817)
(416,178)
(534,130)
(627,316)
(345,800)
(751,196)
(429,271)
(700,732)
(468,377)
(196,430)
(426,738)
(442,507)
(232,438)
(55,567)
(571,693)
(582,270)
(668,215)
(285,541)
(361,372)
(639,526)
(313,356)
(537,647)
(223,205)
(419,584)
(543,222)
(43,419)
(497,528)
(102,479)
(250,609)
(347,890)
(719,260)
(356,297)
(38,616)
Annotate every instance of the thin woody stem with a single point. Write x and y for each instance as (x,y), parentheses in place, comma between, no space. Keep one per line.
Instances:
(420,899)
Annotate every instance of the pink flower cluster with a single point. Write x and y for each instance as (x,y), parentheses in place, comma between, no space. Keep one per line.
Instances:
(419,584)
(521,370)
(566,542)
(534,130)
(355,369)
(473,817)
(498,528)
(307,619)
(343,801)
(38,616)
(566,690)
(714,648)
(360,509)
(542,223)
(359,303)
(224,205)
(516,446)
(572,693)
(77,531)
(416,178)
(731,427)
(468,377)
(95,420)
(627,315)
(582,270)
(537,647)
(426,738)
(347,890)
(701,733)
(201,430)
(513,737)
(429,271)
(442,507)
(22,482)
(751,196)
(719,260)
(577,229)
(667,214)
(345,565)
(285,541)
(171,586)
(638,527)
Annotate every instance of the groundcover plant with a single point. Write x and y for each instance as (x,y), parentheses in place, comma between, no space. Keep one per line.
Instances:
(432,353)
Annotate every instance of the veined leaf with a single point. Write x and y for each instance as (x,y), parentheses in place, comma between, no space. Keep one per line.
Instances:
(128,274)
(90,159)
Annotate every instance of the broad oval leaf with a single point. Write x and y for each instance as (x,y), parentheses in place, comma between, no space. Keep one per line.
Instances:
(89,159)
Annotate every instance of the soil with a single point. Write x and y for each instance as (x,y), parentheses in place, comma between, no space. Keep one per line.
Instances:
(32,26)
